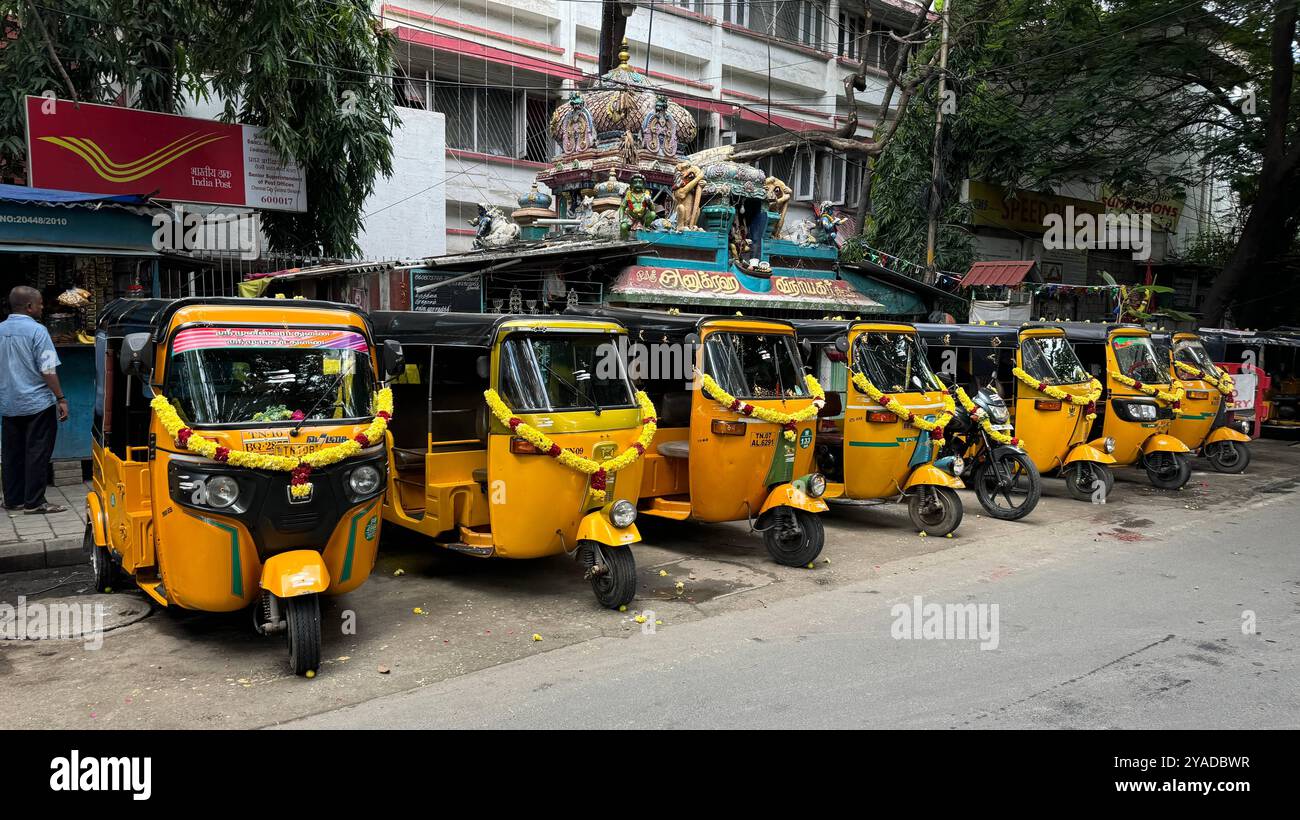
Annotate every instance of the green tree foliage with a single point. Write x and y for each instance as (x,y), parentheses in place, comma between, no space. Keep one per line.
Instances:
(311,72)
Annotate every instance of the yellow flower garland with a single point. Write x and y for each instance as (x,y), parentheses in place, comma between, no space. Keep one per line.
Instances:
(977,413)
(786,421)
(903,412)
(599,471)
(1223,384)
(1088,399)
(301,466)
(1166,398)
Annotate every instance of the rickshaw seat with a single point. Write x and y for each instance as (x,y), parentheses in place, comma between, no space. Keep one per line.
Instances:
(408,459)
(680,448)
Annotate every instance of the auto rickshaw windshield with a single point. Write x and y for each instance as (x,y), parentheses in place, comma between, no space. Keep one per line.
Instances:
(1051,360)
(1192,352)
(1137,359)
(563,372)
(894,363)
(755,365)
(247,384)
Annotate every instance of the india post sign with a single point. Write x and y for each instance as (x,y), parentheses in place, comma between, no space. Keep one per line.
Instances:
(106,149)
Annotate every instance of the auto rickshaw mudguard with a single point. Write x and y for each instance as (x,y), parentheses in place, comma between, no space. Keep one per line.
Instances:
(299,572)
(928,474)
(1163,444)
(788,495)
(596,526)
(95,515)
(1087,452)
(1219,434)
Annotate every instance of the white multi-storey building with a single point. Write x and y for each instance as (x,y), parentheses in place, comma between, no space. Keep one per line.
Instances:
(744,68)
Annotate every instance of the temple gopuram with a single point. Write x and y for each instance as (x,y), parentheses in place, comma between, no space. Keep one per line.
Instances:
(632,218)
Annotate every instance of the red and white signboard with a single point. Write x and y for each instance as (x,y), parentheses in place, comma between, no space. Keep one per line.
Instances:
(107,149)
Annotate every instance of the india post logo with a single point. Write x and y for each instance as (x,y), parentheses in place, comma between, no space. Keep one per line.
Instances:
(805,438)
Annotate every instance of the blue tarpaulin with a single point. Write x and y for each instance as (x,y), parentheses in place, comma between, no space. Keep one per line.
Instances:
(49,196)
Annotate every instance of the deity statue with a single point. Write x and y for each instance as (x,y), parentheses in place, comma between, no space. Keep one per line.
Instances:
(687,193)
(778,194)
(826,224)
(577,129)
(492,228)
(637,210)
(659,131)
(627,148)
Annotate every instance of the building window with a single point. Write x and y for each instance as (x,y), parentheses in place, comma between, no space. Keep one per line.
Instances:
(696,6)
(805,174)
(851,28)
(799,21)
(833,168)
(780,166)
(882,49)
(496,121)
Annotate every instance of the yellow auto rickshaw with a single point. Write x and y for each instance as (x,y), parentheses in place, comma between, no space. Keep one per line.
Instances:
(519,437)
(238,457)
(735,434)
(1204,421)
(1053,399)
(1139,401)
(881,439)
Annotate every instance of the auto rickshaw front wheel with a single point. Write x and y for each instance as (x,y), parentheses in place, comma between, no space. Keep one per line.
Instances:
(1228,456)
(1082,478)
(105,573)
(935,510)
(1168,471)
(612,572)
(795,538)
(302,616)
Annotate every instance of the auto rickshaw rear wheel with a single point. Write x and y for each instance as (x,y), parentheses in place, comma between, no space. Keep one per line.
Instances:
(1228,456)
(1168,471)
(612,572)
(795,537)
(302,615)
(1081,480)
(1019,497)
(935,510)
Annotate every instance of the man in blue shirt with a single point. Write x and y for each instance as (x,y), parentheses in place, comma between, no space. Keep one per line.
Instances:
(31,403)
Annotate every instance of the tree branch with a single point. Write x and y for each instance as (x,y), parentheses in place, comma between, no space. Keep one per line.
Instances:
(54,56)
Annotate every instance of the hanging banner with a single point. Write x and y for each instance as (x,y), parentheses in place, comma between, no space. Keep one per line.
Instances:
(708,287)
(108,149)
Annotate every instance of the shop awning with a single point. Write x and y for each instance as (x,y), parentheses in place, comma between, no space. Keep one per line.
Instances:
(78,250)
(999,273)
(687,286)
(50,196)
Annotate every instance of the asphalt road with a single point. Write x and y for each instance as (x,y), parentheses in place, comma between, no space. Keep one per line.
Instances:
(1127,614)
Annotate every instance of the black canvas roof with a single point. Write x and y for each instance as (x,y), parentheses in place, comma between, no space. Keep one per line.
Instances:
(449,329)
(969,335)
(122,316)
(650,325)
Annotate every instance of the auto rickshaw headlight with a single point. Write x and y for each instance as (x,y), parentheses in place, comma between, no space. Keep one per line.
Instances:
(816,485)
(1108,446)
(364,480)
(622,513)
(223,491)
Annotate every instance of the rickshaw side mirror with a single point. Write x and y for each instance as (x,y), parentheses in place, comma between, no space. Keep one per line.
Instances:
(842,343)
(393,360)
(136,358)
(483,366)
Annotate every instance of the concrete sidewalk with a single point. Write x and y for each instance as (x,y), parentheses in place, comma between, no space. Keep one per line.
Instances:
(40,541)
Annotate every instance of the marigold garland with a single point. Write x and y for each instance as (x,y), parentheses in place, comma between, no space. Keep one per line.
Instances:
(1174,399)
(1223,384)
(789,422)
(598,471)
(977,414)
(299,467)
(1087,400)
(934,428)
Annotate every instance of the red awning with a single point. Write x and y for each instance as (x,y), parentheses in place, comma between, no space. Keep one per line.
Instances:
(997,273)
